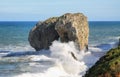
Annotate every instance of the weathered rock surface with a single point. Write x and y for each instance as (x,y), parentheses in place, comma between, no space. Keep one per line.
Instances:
(43,34)
(107,66)
(68,27)
(73,27)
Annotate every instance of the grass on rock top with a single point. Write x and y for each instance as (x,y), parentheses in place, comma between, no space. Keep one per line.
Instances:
(107,66)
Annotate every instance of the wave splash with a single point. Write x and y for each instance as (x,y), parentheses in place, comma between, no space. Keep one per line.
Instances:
(58,60)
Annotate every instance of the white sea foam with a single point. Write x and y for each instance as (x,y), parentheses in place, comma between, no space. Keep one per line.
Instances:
(62,52)
(38,58)
(20,47)
(56,71)
(115,38)
(64,63)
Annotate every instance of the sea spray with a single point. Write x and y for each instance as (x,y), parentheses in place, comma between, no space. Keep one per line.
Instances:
(55,62)
(62,53)
(60,62)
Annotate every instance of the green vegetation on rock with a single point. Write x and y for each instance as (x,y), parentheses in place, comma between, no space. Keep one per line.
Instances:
(107,66)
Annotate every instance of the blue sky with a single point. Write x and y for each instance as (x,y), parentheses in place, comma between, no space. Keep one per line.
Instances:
(35,10)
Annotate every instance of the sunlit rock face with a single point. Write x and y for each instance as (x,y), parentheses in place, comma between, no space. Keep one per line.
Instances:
(73,27)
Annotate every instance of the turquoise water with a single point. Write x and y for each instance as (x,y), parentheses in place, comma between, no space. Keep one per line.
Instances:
(19,59)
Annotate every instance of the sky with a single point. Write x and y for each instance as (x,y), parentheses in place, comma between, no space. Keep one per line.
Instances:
(39,10)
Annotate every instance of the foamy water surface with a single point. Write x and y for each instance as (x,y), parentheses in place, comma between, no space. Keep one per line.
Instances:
(55,62)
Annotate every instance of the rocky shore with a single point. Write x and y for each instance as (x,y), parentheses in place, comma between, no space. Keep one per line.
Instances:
(107,66)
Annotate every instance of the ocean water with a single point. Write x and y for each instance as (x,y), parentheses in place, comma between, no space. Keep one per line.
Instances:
(19,59)
(14,35)
(104,32)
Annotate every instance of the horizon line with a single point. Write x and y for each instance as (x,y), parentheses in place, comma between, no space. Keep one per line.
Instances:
(41,20)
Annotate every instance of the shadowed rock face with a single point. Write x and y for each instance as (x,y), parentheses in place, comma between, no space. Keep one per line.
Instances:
(43,34)
(68,27)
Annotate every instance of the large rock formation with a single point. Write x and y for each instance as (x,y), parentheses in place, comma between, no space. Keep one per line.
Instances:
(68,27)
(107,66)
(73,27)
(43,34)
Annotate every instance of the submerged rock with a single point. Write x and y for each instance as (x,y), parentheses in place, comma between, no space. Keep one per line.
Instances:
(68,27)
(107,66)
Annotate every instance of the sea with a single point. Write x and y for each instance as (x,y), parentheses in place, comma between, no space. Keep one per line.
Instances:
(19,59)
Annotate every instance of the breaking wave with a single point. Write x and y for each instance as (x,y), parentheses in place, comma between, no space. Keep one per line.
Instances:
(55,62)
